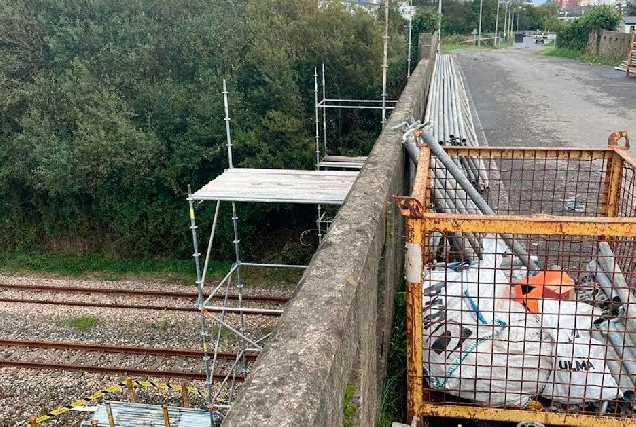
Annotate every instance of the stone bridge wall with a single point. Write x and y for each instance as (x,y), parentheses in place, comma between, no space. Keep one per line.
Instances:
(337,327)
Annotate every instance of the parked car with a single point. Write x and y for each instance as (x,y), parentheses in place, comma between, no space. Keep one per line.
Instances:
(540,38)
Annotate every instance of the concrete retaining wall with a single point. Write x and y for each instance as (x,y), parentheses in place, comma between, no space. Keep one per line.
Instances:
(609,44)
(337,327)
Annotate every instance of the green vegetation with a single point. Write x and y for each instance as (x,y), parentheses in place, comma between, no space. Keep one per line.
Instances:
(107,267)
(110,109)
(349,409)
(577,55)
(393,405)
(460,17)
(82,323)
(575,35)
(266,330)
(163,326)
(283,278)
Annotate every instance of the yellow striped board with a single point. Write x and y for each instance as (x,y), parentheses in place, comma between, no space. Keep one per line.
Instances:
(113,389)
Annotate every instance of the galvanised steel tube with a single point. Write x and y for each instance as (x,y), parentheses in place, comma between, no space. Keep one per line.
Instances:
(440,112)
(452,132)
(602,279)
(455,204)
(444,194)
(617,339)
(607,261)
(629,348)
(454,195)
(454,191)
(442,205)
(516,248)
(614,363)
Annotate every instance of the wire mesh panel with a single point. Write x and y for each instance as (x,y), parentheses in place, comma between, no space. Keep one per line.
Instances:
(528,314)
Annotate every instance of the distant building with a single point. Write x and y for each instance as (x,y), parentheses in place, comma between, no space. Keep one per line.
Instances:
(370,5)
(589,3)
(628,24)
(407,11)
(568,4)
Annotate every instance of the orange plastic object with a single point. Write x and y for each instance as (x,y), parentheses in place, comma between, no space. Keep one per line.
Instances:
(552,284)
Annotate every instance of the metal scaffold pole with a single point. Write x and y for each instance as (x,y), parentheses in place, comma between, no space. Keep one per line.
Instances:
(408,61)
(318,222)
(317,116)
(227,125)
(239,283)
(204,329)
(324,111)
(384,61)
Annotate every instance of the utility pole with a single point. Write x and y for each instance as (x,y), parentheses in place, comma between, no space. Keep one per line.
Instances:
(384,61)
(439,21)
(511,19)
(481,6)
(408,62)
(518,13)
(497,26)
(505,25)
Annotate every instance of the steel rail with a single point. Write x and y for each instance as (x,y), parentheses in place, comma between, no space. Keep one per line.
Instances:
(169,294)
(66,345)
(256,311)
(112,370)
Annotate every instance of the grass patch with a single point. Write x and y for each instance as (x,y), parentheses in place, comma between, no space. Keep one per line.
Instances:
(393,405)
(349,408)
(82,323)
(163,326)
(449,47)
(106,267)
(578,56)
(278,277)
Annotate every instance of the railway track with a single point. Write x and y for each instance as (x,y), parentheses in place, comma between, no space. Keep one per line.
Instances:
(123,360)
(131,292)
(189,296)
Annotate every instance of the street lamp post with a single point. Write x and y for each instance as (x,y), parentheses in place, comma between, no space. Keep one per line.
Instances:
(497,26)
(408,65)
(481,6)
(511,20)
(439,21)
(505,26)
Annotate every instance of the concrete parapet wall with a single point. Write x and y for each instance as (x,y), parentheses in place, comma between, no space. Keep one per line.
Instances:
(337,327)
(608,44)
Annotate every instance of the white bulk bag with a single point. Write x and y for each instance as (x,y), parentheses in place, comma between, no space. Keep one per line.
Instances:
(478,345)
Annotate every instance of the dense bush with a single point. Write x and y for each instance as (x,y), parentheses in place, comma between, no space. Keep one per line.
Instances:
(109,109)
(575,35)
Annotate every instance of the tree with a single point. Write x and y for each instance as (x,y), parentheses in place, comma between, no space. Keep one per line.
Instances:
(111,109)
(575,36)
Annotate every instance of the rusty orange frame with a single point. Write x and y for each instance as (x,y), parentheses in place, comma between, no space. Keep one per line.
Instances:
(420,221)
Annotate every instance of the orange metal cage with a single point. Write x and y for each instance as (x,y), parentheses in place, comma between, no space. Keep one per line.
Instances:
(558,204)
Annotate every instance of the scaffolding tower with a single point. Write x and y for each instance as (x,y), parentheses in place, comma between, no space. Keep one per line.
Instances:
(321,187)
(325,161)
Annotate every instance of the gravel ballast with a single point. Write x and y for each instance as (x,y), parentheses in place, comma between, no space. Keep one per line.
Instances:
(26,392)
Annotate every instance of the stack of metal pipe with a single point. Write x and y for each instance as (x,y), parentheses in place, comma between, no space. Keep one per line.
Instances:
(449,117)
(620,331)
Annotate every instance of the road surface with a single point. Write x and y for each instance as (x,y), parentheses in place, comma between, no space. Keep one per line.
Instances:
(523,98)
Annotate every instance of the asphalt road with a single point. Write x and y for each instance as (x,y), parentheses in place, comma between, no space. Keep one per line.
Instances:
(523,98)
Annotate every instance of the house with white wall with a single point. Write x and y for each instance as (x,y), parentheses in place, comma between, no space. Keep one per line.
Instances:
(628,24)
